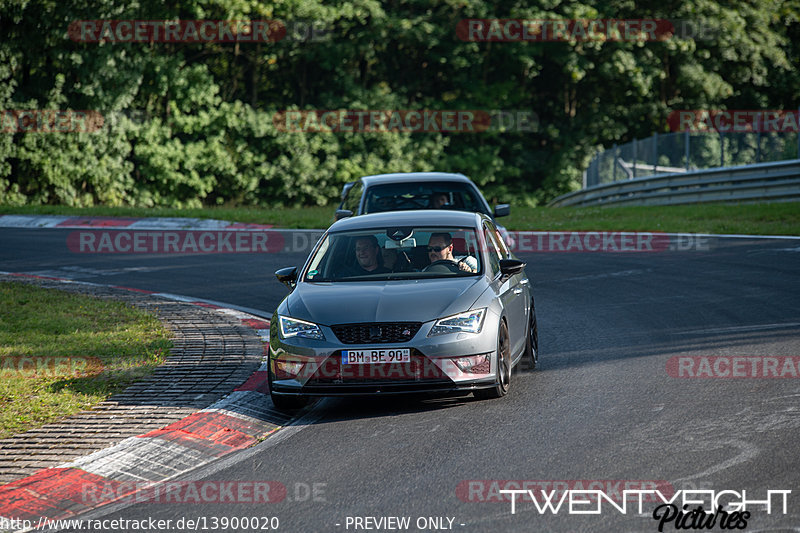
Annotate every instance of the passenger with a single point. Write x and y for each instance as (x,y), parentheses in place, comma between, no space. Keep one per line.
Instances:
(439,200)
(367,257)
(395,260)
(440,248)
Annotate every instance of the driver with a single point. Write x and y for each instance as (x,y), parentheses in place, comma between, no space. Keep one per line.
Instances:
(440,248)
(439,200)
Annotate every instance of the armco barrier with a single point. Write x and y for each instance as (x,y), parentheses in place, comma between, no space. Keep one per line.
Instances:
(765,182)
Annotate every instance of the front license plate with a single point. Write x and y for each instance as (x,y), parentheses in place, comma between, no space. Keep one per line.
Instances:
(376,356)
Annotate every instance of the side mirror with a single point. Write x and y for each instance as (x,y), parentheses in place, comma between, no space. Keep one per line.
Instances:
(343,213)
(502,210)
(287,276)
(509,267)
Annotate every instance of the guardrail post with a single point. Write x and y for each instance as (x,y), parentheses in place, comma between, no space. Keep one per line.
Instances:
(614,162)
(758,145)
(686,147)
(655,153)
(722,148)
(634,158)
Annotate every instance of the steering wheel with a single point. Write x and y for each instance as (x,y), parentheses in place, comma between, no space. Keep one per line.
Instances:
(442,265)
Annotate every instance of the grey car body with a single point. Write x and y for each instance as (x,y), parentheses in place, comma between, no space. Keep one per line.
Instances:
(413,299)
(356,194)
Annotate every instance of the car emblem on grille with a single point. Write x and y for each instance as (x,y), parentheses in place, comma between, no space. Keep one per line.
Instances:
(374,332)
(406,332)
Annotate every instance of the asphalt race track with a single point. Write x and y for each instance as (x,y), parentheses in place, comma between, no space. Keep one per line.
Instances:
(604,405)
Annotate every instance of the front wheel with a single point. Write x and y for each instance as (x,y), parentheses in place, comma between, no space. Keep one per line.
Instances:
(503,378)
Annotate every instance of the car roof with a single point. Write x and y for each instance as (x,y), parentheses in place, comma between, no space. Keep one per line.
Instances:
(418,217)
(399,177)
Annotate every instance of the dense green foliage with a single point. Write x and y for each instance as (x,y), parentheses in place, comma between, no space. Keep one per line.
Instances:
(191,124)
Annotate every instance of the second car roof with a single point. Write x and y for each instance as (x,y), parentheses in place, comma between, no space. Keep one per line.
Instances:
(421,217)
(400,177)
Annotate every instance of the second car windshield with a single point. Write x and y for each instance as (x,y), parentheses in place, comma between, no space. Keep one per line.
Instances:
(422,195)
(396,253)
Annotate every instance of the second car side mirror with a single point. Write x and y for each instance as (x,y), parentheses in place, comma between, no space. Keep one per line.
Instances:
(343,213)
(509,267)
(502,210)
(287,276)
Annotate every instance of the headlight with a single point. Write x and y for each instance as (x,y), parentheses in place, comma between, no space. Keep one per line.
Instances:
(292,327)
(469,322)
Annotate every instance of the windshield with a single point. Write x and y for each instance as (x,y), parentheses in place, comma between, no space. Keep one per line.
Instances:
(423,195)
(396,253)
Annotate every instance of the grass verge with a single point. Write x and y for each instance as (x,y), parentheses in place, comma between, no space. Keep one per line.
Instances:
(61,353)
(764,219)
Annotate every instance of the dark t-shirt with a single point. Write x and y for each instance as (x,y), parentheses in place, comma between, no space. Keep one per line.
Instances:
(357,270)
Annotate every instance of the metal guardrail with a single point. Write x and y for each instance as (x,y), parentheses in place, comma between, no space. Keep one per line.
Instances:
(769,182)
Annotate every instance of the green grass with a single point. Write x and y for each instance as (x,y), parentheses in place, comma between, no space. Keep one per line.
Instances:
(61,353)
(765,219)
(754,219)
(308,217)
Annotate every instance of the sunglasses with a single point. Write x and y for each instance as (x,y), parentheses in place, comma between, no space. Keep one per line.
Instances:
(436,249)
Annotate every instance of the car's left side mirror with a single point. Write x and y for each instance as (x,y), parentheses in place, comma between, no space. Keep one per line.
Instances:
(509,267)
(287,276)
(343,213)
(502,210)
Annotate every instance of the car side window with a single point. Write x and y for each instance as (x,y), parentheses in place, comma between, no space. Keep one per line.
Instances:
(494,255)
(353,198)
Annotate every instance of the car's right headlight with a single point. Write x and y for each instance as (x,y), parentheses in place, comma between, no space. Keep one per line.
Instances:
(469,322)
(294,327)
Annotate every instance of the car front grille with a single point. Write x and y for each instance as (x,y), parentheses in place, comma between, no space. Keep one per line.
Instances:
(376,332)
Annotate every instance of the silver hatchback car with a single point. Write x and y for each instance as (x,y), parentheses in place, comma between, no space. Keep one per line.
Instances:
(418,301)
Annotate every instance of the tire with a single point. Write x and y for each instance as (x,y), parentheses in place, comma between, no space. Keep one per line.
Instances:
(503,379)
(531,356)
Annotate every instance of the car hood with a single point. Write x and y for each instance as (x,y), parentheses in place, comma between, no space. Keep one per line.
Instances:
(384,301)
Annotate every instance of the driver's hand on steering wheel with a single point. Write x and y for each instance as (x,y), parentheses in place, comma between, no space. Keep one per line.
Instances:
(465,267)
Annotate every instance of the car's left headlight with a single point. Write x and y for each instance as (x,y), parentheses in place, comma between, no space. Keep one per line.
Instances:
(294,327)
(467,322)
